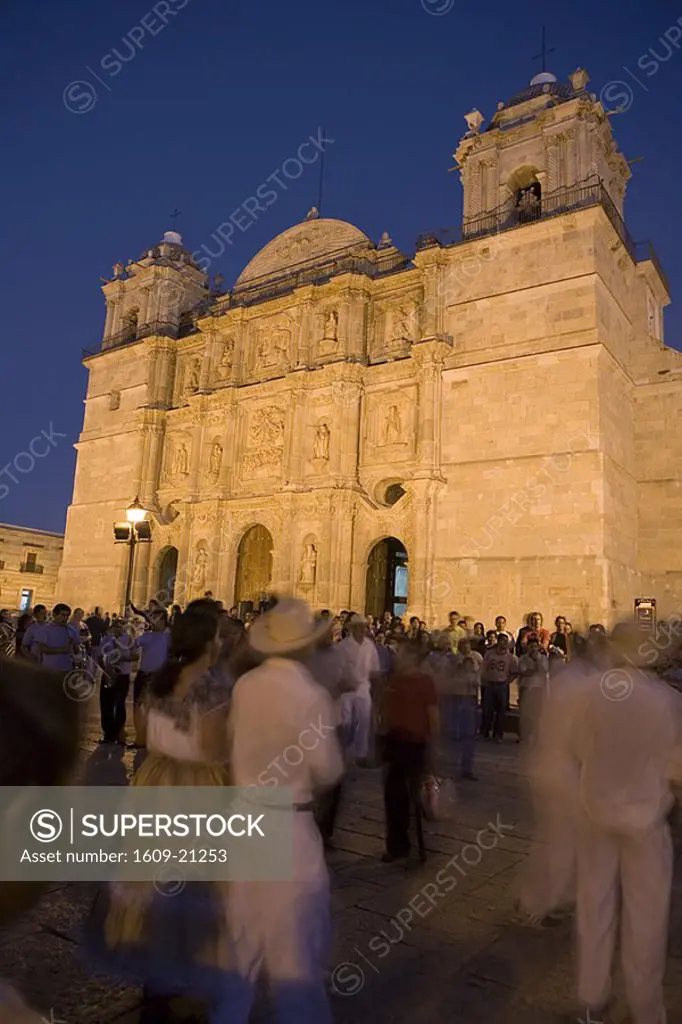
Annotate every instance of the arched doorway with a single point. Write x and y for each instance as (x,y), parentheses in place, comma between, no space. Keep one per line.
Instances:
(254,568)
(387,582)
(168,570)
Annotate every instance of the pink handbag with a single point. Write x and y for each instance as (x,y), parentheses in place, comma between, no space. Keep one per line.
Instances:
(438,798)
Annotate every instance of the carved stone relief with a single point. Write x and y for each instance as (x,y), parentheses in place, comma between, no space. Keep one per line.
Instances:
(266,439)
(392,427)
(273,345)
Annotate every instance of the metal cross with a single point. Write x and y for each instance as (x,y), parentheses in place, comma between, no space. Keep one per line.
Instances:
(174,215)
(543,54)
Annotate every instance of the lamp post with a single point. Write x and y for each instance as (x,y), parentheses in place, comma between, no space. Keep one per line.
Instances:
(135,531)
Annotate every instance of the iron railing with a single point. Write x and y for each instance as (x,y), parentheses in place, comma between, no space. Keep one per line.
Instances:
(31,567)
(553,204)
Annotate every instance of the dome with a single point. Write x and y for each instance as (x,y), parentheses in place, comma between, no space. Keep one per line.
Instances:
(544,78)
(312,241)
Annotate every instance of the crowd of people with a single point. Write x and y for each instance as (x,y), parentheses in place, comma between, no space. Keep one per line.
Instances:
(218,700)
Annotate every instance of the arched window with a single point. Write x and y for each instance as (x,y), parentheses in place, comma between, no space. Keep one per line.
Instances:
(526,193)
(130,325)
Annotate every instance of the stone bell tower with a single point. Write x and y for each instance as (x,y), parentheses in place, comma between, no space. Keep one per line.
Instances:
(549,140)
(151,304)
(151,295)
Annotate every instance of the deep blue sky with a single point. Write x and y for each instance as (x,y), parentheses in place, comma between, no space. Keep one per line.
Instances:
(215,101)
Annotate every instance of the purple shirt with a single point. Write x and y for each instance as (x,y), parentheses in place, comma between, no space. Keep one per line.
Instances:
(55,635)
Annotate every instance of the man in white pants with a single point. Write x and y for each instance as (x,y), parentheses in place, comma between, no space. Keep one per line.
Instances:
(362,663)
(622,727)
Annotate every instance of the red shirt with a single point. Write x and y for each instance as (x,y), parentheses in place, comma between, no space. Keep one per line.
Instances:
(408,698)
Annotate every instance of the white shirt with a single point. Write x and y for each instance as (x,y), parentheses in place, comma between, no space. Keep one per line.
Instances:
(361,659)
(622,728)
(283,730)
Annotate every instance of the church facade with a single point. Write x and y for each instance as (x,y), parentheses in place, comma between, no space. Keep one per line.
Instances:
(489,425)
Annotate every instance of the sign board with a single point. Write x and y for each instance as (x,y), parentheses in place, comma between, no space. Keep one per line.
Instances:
(645,613)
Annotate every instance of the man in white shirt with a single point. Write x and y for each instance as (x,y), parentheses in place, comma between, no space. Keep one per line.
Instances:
(362,668)
(621,728)
(284,733)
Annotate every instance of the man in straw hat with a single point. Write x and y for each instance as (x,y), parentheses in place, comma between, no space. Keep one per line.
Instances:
(621,729)
(284,734)
(362,669)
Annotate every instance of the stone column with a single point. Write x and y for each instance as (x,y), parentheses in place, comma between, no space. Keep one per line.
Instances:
(344,446)
(304,334)
(428,406)
(152,469)
(296,441)
(552,162)
(230,446)
(432,309)
(571,163)
(208,361)
(197,453)
(109,319)
(162,366)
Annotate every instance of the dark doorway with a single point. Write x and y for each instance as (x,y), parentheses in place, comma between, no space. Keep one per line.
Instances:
(387,579)
(168,570)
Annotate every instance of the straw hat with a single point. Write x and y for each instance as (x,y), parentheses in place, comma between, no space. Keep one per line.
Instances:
(289,626)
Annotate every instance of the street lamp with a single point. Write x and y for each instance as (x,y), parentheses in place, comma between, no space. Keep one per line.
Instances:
(136,530)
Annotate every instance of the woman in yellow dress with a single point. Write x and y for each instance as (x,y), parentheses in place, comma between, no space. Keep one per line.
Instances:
(178,945)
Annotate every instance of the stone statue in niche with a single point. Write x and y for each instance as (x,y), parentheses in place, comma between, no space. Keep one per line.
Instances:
(215,460)
(181,461)
(331,326)
(200,566)
(114,400)
(403,322)
(321,446)
(225,364)
(392,426)
(193,372)
(308,565)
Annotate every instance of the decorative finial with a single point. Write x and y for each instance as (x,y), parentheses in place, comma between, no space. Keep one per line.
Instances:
(118,269)
(474,121)
(312,214)
(579,79)
(385,240)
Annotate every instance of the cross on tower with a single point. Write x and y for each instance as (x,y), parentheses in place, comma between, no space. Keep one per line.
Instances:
(174,215)
(543,54)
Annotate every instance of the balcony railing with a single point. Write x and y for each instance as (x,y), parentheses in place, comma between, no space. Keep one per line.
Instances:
(31,567)
(553,204)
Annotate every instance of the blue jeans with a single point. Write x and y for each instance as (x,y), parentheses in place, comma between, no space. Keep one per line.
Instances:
(460,727)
